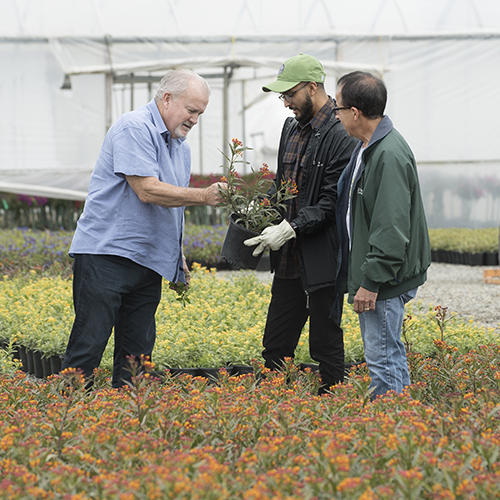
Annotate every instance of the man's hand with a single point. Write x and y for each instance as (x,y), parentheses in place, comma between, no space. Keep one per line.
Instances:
(273,237)
(212,193)
(364,300)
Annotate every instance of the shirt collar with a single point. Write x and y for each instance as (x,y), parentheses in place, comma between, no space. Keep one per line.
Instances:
(323,114)
(157,119)
(160,124)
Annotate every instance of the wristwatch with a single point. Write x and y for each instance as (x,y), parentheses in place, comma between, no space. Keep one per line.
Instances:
(294,227)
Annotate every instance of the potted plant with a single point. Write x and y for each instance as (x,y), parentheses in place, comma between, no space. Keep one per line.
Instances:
(250,206)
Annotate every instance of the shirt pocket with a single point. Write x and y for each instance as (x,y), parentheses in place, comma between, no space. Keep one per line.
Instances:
(290,157)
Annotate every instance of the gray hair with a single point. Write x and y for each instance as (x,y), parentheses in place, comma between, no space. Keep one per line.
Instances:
(176,82)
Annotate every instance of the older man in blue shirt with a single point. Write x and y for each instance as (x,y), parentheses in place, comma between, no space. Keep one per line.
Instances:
(130,233)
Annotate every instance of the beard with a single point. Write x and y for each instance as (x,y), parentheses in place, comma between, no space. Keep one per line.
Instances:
(305,112)
(181,132)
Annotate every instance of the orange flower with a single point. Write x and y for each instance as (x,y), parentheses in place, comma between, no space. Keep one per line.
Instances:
(264,170)
(349,483)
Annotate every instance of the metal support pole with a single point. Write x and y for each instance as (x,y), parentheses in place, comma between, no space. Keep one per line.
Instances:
(131,91)
(200,132)
(243,125)
(225,106)
(108,108)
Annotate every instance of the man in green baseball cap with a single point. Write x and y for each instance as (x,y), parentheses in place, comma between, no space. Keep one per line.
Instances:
(297,69)
(313,151)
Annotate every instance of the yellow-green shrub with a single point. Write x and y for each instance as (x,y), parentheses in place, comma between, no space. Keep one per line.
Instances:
(223,324)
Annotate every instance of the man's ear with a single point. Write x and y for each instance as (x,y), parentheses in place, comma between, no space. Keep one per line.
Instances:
(167,99)
(313,88)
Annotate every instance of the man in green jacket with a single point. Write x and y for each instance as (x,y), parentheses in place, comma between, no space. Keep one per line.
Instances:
(385,250)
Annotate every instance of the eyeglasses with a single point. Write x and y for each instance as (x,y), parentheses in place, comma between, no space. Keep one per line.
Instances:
(288,97)
(336,109)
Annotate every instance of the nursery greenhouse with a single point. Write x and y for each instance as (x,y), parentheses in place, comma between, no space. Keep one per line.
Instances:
(69,69)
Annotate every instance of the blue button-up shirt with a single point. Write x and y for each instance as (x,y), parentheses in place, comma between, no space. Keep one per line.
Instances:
(115,221)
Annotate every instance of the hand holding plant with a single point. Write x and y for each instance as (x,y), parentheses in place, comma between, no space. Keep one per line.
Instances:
(182,291)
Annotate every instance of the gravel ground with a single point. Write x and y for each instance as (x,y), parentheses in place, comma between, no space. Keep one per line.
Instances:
(459,288)
(462,290)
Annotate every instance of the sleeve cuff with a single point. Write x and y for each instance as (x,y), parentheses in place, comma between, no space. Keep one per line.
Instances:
(370,285)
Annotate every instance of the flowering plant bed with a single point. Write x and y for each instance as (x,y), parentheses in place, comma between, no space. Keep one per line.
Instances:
(221,326)
(202,244)
(249,438)
(46,252)
(24,250)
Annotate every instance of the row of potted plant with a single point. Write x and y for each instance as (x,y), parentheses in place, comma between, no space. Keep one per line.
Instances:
(465,258)
(37,212)
(46,252)
(473,247)
(221,326)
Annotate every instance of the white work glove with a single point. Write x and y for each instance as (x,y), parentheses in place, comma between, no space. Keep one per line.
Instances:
(273,237)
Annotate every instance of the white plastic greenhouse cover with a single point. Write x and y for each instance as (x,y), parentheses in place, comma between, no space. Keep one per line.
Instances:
(68,69)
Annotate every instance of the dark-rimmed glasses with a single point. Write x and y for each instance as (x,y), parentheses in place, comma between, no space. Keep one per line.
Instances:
(336,108)
(288,97)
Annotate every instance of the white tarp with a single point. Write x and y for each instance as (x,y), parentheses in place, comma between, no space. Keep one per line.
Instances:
(439,58)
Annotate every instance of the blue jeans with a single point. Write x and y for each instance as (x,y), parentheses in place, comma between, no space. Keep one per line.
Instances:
(111,291)
(385,354)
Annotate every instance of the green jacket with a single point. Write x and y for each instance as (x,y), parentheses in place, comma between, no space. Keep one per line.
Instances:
(390,249)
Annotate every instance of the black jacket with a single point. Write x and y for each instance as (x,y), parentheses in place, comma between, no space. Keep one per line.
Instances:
(328,152)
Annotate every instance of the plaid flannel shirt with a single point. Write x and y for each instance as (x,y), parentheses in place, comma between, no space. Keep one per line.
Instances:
(293,168)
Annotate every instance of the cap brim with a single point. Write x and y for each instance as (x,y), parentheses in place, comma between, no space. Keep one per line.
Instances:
(279,86)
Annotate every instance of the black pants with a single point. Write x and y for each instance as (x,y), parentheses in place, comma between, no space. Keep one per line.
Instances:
(287,315)
(111,291)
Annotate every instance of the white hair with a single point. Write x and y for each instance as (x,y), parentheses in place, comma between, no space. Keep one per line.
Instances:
(176,82)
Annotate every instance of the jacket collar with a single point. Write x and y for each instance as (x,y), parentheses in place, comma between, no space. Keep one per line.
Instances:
(383,128)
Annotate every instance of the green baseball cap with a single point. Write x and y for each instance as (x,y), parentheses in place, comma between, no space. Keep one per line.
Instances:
(301,68)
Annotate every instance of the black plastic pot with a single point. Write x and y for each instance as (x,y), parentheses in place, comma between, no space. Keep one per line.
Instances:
(491,258)
(29,362)
(194,372)
(37,364)
(47,368)
(212,374)
(233,249)
(476,259)
(56,364)
(21,351)
(242,369)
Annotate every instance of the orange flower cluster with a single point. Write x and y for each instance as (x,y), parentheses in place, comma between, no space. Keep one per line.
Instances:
(248,437)
(291,187)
